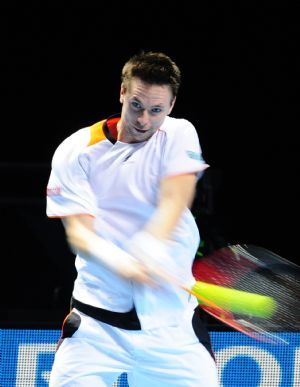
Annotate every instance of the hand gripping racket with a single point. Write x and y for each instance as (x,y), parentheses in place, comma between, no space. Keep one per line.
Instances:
(247,287)
(250,289)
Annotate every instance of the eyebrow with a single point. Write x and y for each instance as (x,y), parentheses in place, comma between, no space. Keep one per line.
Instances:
(139,101)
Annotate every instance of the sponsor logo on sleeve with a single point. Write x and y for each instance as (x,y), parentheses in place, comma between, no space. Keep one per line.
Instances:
(193,155)
(53,191)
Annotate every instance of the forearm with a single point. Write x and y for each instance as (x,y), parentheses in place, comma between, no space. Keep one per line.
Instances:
(149,244)
(177,193)
(83,240)
(148,255)
(165,219)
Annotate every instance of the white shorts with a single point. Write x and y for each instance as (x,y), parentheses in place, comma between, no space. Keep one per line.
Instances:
(96,353)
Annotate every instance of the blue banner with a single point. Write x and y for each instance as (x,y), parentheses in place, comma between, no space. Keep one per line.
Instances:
(26,358)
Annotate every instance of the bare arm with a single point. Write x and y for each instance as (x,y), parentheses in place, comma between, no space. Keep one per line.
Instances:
(176,193)
(82,238)
(149,245)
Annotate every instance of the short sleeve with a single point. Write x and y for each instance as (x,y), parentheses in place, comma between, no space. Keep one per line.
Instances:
(182,151)
(68,189)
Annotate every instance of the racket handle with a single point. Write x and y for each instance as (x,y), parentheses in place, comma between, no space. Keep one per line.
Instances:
(235,301)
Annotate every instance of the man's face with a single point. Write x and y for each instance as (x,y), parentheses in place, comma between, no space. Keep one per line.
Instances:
(144,109)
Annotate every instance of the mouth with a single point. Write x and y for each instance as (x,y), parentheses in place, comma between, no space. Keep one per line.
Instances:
(139,130)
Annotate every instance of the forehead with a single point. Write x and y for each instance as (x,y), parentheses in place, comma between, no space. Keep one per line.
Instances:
(149,93)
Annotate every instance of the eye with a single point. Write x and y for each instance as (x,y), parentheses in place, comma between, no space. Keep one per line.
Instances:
(136,105)
(156,110)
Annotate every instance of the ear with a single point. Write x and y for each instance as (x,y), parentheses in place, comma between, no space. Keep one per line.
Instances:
(122,92)
(172,105)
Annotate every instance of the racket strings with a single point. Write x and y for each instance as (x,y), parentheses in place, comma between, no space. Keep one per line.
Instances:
(284,289)
(255,270)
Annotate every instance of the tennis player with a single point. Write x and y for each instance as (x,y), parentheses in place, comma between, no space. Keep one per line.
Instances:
(123,188)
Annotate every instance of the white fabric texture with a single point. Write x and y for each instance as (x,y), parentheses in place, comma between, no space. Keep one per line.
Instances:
(167,357)
(118,185)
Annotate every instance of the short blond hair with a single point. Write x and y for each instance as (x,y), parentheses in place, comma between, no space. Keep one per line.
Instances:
(153,68)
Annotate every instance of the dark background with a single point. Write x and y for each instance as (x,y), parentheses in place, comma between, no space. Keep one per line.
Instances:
(60,71)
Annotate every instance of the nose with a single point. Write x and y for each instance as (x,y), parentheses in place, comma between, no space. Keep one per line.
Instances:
(143,118)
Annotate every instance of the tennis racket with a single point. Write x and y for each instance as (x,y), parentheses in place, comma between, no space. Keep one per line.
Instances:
(250,289)
(247,287)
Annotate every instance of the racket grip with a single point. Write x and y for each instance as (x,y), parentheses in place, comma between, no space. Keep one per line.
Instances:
(236,301)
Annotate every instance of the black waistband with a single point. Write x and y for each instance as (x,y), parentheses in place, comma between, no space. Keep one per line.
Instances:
(128,320)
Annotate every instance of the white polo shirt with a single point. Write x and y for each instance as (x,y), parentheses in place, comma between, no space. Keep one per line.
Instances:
(118,183)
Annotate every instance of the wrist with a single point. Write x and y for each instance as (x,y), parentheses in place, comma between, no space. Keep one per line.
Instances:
(154,254)
(106,253)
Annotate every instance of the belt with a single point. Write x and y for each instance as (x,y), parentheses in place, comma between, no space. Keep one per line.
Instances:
(128,320)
